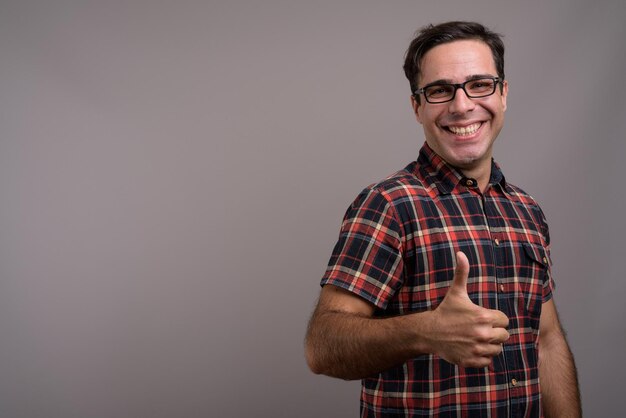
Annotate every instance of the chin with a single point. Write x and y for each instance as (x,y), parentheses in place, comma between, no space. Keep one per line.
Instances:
(469,160)
(471,156)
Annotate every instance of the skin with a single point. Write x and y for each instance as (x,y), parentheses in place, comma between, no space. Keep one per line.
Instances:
(344,340)
(557,370)
(456,62)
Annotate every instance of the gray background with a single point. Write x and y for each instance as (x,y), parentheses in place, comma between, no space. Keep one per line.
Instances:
(173,176)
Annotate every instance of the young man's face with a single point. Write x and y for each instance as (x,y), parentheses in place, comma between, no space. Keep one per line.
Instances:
(461,131)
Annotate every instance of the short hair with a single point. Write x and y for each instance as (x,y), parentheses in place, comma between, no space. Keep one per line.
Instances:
(431,36)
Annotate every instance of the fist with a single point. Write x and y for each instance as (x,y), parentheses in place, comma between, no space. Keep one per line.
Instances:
(464,333)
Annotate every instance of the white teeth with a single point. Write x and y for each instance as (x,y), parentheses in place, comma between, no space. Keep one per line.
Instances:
(464,130)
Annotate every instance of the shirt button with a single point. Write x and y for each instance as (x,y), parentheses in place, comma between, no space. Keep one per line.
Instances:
(469,182)
(497,241)
(502,287)
(545,260)
(514,382)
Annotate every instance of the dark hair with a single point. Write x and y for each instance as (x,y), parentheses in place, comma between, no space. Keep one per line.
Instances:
(430,36)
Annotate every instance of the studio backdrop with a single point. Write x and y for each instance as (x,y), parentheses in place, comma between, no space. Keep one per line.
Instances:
(173,175)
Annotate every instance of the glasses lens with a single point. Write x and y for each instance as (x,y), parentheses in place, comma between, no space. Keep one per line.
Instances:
(439,93)
(480,88)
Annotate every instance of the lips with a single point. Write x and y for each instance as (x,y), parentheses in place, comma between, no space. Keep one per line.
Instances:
(464,130)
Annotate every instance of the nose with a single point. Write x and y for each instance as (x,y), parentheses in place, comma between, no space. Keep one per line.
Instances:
(461,103)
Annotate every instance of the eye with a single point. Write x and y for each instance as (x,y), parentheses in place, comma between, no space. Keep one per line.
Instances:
(439,90)
(479,86)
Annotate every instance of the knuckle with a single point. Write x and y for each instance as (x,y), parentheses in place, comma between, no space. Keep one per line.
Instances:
(483,317)
(486,350)
(483,334)
(497,349)
(480,350)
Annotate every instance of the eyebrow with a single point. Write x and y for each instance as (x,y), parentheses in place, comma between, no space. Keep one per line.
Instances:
(468,78)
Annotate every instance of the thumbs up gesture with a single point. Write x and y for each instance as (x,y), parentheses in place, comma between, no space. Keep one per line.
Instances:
(464,333)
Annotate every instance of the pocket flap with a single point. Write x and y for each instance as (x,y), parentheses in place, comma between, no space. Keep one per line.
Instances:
(537,253)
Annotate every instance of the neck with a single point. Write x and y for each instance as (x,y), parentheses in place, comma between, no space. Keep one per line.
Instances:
(480,174)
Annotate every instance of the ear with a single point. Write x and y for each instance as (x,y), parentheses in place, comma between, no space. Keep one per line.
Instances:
(505,92)
(416,109)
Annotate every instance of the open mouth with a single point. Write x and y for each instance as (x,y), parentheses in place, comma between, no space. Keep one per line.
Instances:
(465,130)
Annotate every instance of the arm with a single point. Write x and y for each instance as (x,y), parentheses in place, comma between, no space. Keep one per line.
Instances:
(557,371)
(344,340)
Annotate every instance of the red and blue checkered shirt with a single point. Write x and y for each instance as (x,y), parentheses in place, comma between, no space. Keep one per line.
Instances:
(396,249)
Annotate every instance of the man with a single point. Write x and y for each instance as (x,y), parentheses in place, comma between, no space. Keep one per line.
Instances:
(438,294)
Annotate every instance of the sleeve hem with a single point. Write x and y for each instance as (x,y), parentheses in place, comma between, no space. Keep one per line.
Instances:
(363,294)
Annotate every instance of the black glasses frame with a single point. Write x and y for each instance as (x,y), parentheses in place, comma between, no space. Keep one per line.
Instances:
(496,81)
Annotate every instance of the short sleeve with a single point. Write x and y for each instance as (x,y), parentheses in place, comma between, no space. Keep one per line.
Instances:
(548,283)
(367,259)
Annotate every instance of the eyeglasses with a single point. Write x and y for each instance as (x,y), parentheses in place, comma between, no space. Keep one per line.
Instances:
(445,92)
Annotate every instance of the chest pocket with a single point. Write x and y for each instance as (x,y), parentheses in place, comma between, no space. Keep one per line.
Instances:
(532,276)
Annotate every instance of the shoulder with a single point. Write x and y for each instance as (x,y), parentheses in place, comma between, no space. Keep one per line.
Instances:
(518,194)
(398,186)
(525,200)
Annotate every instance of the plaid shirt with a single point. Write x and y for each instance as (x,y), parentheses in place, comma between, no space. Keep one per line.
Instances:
(397,248)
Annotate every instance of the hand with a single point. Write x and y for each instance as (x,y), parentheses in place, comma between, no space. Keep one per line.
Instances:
(464,333)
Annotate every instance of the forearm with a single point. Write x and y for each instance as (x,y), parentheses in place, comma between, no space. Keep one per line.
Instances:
(558,378)
(351,346)
(344,339)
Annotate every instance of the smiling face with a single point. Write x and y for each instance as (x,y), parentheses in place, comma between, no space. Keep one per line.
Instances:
(463,130)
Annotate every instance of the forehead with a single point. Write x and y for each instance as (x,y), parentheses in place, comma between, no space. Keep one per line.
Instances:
(456,61)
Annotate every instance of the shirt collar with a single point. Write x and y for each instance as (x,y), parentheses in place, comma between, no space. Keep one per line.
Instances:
(445,177)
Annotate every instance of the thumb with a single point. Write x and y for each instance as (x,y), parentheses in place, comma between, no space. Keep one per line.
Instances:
(459,282)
